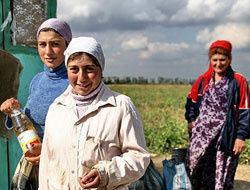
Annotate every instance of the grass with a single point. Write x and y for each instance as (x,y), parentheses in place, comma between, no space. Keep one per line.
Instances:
(162,109)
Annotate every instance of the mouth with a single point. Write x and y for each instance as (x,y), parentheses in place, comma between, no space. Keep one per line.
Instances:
(83,86)
(220,68)
(49,60)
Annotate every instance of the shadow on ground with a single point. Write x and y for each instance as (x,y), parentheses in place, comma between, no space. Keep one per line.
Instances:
(241,185)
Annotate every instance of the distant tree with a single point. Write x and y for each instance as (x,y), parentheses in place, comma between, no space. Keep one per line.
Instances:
(127,80)
(116,80)
(134,80)
(142,80)
(107,80)
(152,81)
(161,80)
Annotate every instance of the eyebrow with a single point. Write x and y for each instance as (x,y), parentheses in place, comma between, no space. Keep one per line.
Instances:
(55,40)
(83,66)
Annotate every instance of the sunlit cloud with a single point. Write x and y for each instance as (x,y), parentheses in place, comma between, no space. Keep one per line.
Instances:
(173,33)
(237,33)
(158,49)
(135,43)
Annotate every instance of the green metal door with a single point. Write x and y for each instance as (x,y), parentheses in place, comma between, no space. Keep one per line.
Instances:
(4,178)
(10,151)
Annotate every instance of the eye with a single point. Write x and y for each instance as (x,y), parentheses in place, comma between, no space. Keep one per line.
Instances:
(56,44)
(73,69)
(41,44)
(90,69)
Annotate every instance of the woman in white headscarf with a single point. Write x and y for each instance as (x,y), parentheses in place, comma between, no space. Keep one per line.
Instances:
(93,136)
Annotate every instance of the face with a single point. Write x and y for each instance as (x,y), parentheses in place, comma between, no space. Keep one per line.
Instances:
(84,76)
(220,64)
(50,48)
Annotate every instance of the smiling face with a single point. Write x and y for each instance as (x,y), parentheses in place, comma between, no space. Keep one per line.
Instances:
(83,73)
(220,64)
(50,48)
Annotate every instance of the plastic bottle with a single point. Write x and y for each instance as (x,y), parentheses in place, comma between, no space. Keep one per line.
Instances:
(26,133)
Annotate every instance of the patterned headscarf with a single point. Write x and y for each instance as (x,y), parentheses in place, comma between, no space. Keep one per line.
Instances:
(60,26)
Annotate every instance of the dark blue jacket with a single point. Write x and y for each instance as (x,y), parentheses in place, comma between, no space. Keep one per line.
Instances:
(237,124)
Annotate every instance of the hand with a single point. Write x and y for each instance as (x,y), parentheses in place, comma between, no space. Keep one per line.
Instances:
(8,105)
(33,160)
(33,156)
(239,146)
(90,180)
(190,127)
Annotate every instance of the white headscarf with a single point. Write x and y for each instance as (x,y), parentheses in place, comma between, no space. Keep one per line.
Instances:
(87,45)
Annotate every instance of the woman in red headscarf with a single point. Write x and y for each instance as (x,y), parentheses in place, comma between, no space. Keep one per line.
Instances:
(218,114)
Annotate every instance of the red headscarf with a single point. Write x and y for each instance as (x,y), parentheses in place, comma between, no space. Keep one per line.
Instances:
(209,73)
(222,43)
(219,43)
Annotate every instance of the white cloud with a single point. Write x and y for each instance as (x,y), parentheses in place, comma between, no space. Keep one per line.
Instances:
(163,49)
(72,8)
(204,35)
(240,10)
(237,33)
(159,32)
(135,43)
(198,10)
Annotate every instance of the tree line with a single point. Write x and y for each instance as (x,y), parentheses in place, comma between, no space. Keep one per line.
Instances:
(143,80)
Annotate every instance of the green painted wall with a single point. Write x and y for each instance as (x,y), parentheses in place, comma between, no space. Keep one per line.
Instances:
(32,64)
(10,151)
(4,178)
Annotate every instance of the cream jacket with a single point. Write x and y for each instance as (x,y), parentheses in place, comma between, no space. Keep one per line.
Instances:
(109,136)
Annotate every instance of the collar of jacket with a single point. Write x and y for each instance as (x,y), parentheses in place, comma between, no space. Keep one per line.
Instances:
(104,97)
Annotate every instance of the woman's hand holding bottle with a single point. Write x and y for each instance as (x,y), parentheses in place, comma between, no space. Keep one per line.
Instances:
(8,105)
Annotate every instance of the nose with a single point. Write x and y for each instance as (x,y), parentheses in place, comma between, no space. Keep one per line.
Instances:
(82,75)
(220,62)
(48,50)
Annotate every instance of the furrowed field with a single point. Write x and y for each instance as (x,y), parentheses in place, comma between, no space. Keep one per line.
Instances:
(162,109)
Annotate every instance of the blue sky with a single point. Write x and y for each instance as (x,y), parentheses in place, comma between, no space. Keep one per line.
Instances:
(167,38)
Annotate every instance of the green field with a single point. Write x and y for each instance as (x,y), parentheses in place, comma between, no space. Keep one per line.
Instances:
(162,109)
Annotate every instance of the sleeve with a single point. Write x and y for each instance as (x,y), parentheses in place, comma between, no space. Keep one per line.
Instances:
(243,131)
(134,158)
(192,104)
(44,162)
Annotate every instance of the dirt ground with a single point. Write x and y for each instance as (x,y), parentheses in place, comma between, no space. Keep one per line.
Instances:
(242,177)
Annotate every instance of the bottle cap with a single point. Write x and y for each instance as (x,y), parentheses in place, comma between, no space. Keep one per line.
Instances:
(15,112)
